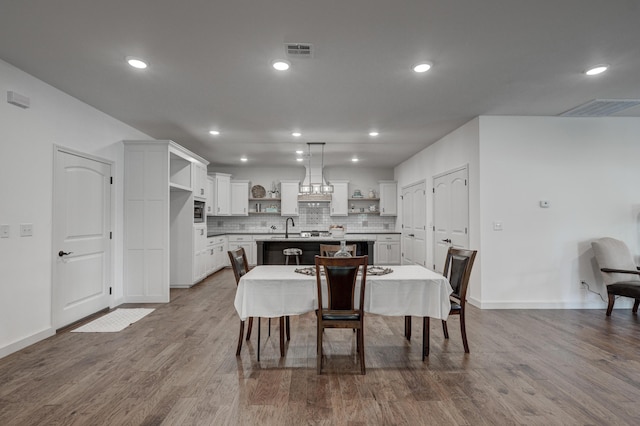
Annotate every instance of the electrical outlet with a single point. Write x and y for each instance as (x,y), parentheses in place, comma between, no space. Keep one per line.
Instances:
(5,231)
(26,229)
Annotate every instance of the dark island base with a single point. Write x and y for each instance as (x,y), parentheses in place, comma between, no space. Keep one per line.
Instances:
(270,252)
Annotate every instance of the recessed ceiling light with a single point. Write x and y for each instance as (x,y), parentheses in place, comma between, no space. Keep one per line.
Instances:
(214,132)
(296,134)
(422,67)
(299,152)
(373,133)
(281,65)
(136,63)
(598,69)
(354,159)
(243,159)
(299,159)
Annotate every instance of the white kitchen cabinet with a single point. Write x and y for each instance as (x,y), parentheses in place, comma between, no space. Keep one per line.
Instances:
(158,219)
(339,199)
(221,194)
(388,198)
(289,197)
(210,262)
(200,252)
(247,242)
(210,194)
(239,198)
(199,181)
(220,248)
(387,249)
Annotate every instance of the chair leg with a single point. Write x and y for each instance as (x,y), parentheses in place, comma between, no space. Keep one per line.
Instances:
(319,349)
(407,327)
(445,330)
(282,333)
(635,306)
(249,327)
(258,339)
(361,345)
(240,338)
(425,336)
(612,300)
(269,334)
(463,331)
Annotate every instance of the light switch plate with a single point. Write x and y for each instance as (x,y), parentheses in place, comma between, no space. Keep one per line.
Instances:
(497,226)
(5,231)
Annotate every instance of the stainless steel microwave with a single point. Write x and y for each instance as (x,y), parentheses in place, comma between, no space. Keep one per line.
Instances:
(198,211)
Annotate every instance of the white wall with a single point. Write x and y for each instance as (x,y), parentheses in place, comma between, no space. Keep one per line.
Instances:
(27,137)
(587,168)
(457,149)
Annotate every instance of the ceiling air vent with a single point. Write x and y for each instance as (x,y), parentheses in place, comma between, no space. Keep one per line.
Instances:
(601,108)
(299,50)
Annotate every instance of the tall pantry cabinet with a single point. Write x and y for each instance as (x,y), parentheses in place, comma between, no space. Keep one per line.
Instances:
(159,182)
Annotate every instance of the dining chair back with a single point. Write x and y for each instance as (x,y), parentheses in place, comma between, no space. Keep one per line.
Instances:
(457,268)
(240,266)
(339,310)
(329,250)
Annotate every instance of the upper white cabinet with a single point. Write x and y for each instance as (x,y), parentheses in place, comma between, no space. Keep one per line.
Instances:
(221,194)
(239,198)
(210,194)
(289,197)
(388,198)
(339,199)
(199,181)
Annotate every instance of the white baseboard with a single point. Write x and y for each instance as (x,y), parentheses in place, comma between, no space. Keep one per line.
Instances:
(23,343)
(540,304)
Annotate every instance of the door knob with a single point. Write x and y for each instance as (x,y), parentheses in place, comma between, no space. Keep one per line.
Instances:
(447,240)
(62,253)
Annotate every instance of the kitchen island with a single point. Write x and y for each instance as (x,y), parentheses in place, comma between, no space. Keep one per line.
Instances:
(269,249)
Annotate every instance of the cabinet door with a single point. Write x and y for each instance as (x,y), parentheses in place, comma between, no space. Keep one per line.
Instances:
(200,181)
(289,198)
(210,195)
(339,199)
(394,254)
(388,199)
(239,198)
(222,195)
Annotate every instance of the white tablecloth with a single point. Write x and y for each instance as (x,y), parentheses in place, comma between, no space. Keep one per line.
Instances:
(277,290)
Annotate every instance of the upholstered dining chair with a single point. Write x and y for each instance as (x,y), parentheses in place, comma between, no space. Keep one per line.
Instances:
(329,250)
(457,268)
(339,311)
(620,273)
(240,266)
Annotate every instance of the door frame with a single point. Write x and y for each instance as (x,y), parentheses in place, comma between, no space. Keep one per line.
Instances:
(401,212)
(54,282)
(464,167)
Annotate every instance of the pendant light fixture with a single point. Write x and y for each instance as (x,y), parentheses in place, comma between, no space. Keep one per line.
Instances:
(309,186)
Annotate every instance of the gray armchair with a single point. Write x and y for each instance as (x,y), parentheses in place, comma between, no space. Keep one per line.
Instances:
(620,273)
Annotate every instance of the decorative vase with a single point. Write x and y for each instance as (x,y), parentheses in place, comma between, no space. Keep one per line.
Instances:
(343,250)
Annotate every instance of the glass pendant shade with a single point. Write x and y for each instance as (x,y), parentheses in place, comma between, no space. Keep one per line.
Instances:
(311,187)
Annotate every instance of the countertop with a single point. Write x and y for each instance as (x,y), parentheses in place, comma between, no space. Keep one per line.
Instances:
(263,236)
(297,238)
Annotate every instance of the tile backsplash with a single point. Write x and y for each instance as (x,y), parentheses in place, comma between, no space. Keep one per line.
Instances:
(311,218)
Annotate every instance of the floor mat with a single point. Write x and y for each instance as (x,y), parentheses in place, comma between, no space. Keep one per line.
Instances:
(114,321)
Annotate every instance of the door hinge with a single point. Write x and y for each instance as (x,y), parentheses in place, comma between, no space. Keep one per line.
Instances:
(465,230)
(434,228)
(424,192)
(433,190)
(465,182)
(434,266)
(111,179)
(110,290)
(110,235)
(402,197)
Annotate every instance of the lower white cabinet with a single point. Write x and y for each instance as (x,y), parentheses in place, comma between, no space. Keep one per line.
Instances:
(218,258)
(387,249)
(199,251)
(247,242)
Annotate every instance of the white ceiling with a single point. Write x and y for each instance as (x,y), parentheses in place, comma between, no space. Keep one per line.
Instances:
(210,67)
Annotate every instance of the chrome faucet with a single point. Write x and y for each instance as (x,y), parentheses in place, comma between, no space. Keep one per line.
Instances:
(286,226)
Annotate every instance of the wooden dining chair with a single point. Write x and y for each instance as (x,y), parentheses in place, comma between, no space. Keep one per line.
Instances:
(339,310)
(240,266)
(457,268)
(329,250)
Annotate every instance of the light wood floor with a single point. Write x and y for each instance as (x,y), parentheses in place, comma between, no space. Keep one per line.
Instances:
(178,366)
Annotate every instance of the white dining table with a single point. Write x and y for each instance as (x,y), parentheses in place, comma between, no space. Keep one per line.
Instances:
(272,291)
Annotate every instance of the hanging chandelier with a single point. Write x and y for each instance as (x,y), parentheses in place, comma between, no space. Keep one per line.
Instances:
(314,182)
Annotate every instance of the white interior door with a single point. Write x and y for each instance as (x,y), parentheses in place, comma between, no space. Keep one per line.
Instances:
(450,214)
(81,236)
(414,218)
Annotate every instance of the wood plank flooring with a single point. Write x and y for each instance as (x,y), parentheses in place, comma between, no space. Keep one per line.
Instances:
(177,366)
